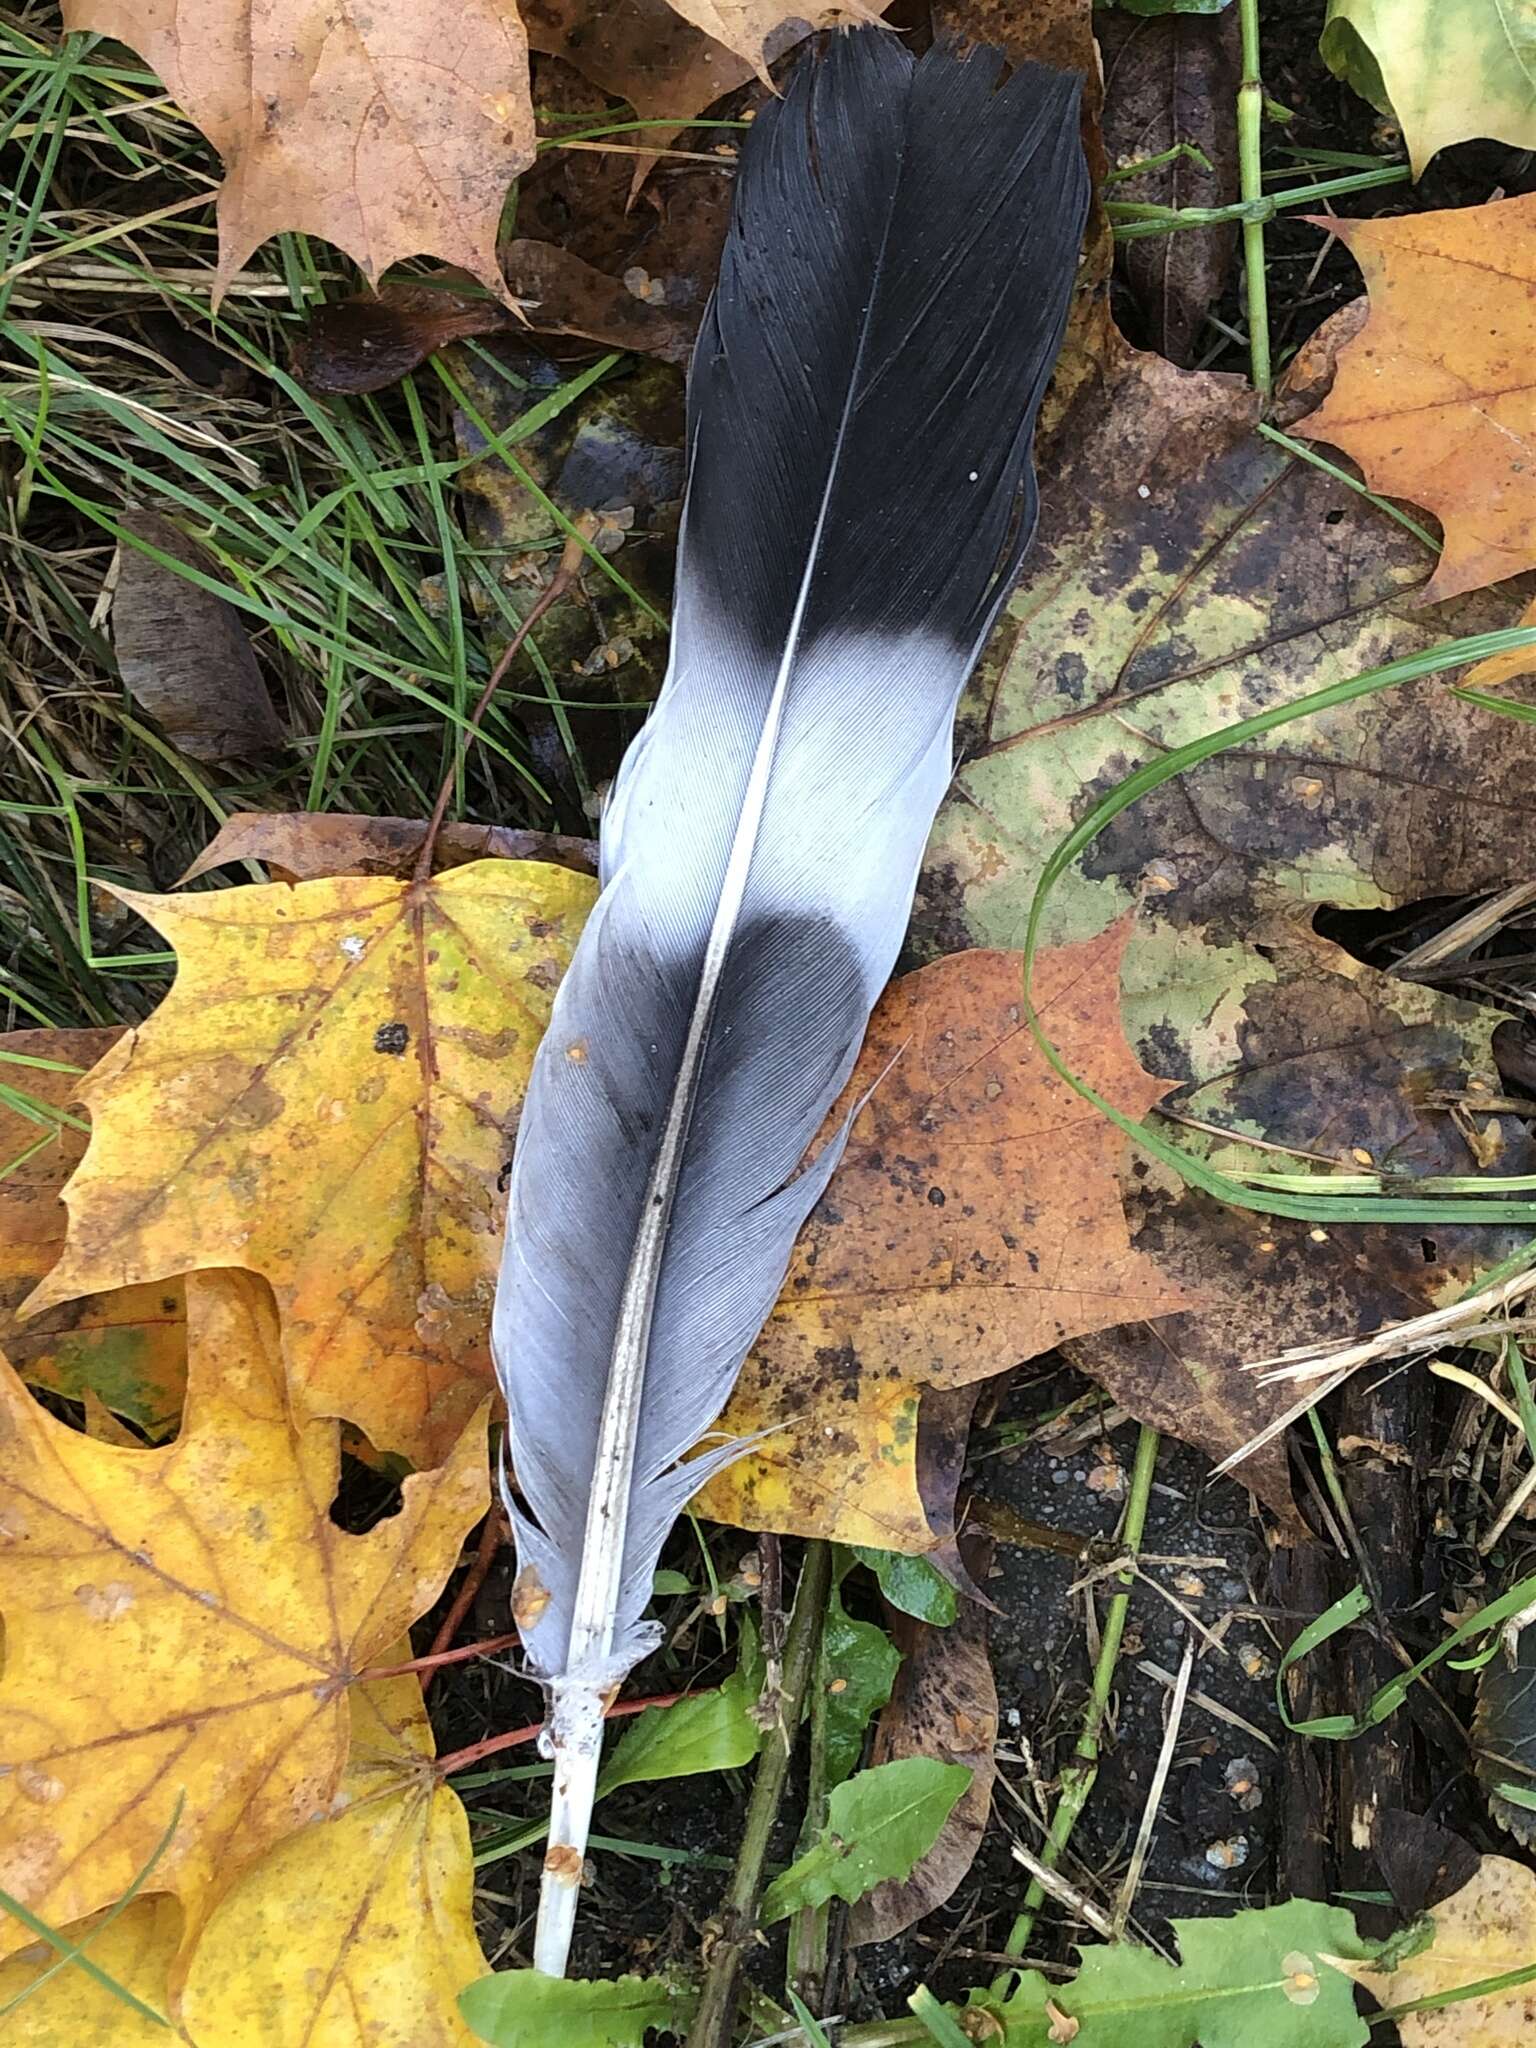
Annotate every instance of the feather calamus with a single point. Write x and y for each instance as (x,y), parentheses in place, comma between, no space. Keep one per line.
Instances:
(862,402)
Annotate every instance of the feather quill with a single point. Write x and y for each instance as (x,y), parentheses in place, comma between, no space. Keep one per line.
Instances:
(862,402)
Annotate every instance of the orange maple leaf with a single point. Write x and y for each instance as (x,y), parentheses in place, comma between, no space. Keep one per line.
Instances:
(1435,397)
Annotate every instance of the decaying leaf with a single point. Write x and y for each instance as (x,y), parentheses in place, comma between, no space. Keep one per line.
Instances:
(305,846)
(560,294)
(1171,81)
(183,652)
(126,1347)
(1436,398)
(975,1221)
(1446,70)
(944,1705)
(182,1625)
(1504,1735)
(310,1944)
(1486,1928)
(646,52)
(616,457)
(331,1083)
(392,131)
(657,223)
(370,342)
(1186,574)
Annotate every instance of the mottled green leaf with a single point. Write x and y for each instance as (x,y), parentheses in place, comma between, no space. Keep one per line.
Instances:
(878,1825)
(1448,70)
(526,2009)
(1257,1976)
(1189,573)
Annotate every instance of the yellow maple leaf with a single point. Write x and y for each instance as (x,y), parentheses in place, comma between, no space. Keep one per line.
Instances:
(975,1220)
(332,1084)
(181,1624)
(1484,1930)
(127,1346)
(355,1932)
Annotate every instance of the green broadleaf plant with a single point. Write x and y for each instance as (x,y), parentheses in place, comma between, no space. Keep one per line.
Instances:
(1256,1977)
(911,1584)
(526,2009)
(879,1825)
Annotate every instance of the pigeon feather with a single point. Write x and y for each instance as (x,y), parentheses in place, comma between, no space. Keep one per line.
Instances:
(862,401)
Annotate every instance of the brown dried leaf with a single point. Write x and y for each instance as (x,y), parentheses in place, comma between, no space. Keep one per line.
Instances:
(127,1347)
(303,846)
(974,1221)
(183,653)
(672,61)
(371,341)
(944,1705)
(559,294)
(393,130)
(1171,79)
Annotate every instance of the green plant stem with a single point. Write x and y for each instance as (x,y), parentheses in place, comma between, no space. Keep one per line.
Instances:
(810,1929)
(1250,175)
(715,2022)
(1078,1776)
(1134,220)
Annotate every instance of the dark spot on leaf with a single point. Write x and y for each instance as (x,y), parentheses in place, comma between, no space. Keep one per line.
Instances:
(392,1038)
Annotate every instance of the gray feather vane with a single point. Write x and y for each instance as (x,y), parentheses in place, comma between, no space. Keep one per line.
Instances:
(862,402)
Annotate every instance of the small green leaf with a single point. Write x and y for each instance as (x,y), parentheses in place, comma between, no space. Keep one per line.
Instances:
(857,1668)
(911,1584)
(665,1582)
(714,1732)
(1253,1977)
(526,2009)
(879,1825)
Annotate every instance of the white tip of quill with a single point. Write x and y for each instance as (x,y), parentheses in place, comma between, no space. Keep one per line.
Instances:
(574,1735)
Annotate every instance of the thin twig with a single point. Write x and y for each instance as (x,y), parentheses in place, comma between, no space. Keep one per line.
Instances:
(430,1662)
(572,556)
(461,1759)
(1143,1846)
(492,1535)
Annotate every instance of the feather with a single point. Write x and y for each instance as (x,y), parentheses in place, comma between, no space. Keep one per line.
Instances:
(862,401)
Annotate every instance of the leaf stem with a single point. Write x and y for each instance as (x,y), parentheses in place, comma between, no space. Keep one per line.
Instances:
(1250,173)
(715,2022)
(1078,1776)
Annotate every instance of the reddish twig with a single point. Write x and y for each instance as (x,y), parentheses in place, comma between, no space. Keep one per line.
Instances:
(435,1657)
(461,1759)
(571,557)
(492,1535)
